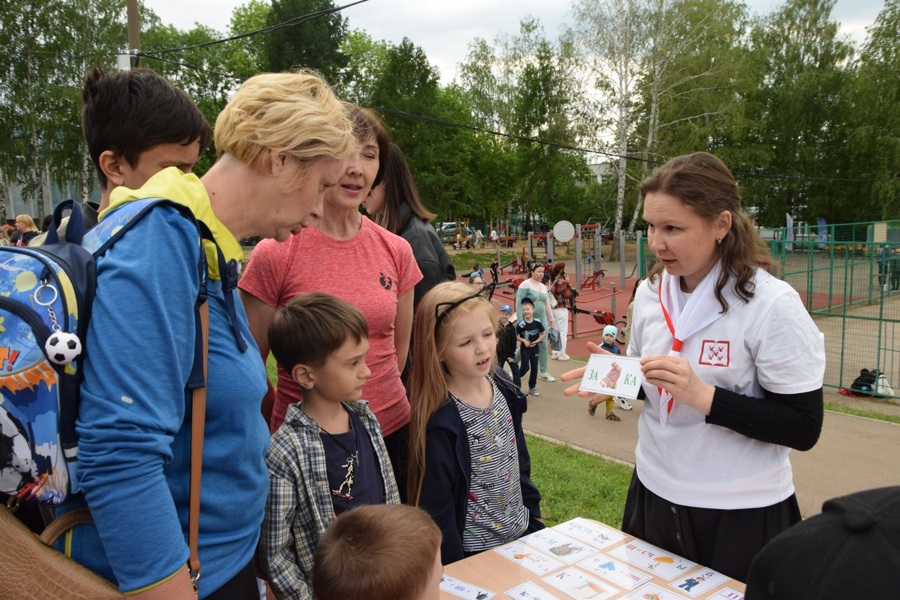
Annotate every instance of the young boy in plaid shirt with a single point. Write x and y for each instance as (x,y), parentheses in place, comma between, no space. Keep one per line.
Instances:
(331,435)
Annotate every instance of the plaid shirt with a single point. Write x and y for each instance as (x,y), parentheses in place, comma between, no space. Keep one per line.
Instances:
(299,507)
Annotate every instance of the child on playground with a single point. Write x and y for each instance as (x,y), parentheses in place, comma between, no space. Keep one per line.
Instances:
(609,344)
(379,551)
(507,341)
(466,412)
(331,436)
(530,333)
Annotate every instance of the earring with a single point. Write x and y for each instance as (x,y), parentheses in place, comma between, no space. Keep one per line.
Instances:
(718,241)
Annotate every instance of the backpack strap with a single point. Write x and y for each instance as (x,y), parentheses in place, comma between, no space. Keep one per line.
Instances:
(122,219)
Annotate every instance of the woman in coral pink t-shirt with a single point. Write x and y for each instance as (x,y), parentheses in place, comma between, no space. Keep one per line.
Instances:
(347,255)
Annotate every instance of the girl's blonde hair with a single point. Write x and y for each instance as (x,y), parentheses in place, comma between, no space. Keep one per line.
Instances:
(296,114)
(438,312)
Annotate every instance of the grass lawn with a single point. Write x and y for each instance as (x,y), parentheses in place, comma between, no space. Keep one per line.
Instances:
(861,413)
(577,484)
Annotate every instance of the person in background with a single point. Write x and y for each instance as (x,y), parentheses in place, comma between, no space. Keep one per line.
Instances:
(395,205)
(543,312)
(284,136)
(884,266)
(507,343)
(346,255)
(476,280)
(495,271)
(564,295)
(608,345)
(733,368)
(467,412)
(331,436)
(529,333)
(26,228)
(4,237)
(393,551)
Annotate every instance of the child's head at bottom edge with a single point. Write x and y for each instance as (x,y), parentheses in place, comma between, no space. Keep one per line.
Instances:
(379,551)
(311,331)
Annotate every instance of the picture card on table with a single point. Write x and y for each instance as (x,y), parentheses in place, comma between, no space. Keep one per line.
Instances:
(596,534)
(613,374)
(565,548)
(699,582)
(530,591)
(651,590)
(580,585)
(727,593)
(529,557)
(656,560)
(615,571)
(461,589)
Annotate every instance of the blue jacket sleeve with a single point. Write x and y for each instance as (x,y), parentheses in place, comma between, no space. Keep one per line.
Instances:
(140,351)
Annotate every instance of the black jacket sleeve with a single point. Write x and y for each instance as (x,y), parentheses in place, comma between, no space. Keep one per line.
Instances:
(793,420)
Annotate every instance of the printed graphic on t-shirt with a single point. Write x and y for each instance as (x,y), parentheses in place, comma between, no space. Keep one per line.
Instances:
(715,353)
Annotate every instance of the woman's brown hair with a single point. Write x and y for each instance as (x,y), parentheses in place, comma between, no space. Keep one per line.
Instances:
(703,182)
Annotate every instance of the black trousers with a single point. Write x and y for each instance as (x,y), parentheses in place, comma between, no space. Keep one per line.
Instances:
(397,445)
(240,587)
(725,540)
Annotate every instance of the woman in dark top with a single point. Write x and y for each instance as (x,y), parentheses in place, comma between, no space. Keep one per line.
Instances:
(394,204)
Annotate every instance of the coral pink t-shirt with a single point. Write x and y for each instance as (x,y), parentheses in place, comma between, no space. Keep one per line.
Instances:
(370,271)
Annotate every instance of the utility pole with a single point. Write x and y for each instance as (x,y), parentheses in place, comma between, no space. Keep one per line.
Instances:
(134,33)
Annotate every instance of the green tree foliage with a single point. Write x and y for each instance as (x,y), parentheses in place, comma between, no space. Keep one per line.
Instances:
(314,42)
(798,112)
(366,60)
(874,140)
(248,54)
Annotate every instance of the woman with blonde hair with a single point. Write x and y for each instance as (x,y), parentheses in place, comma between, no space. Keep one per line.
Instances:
(26,228)
(281,142)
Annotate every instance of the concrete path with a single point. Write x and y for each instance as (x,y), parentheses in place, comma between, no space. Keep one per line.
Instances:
(852,454)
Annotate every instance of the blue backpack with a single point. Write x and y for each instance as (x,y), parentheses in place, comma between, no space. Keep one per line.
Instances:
(45,301)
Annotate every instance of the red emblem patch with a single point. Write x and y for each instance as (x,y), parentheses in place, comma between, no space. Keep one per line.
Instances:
(715,353)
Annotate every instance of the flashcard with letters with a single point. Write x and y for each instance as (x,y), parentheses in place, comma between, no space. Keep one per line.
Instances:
(615,571)
(612,374)
(580,585)
(530,591)
(655,560)
(699,582)
(727,594)
(464,590)
(567,549)
(655,592)
(591,532)
(529,558)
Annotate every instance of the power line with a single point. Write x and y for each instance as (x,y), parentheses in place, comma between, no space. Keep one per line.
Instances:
(289,23)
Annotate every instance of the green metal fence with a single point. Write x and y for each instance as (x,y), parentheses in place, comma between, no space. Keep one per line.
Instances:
(853,294)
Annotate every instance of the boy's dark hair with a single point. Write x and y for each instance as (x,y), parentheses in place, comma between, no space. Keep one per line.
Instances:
(311,327)
(388,550)
(130,112)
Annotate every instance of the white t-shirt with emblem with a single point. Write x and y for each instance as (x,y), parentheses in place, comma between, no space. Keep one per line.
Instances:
(770,342)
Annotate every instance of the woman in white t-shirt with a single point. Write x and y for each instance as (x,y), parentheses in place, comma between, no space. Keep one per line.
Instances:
(733,368)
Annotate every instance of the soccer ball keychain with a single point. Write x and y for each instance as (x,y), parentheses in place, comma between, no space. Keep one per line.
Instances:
(62,347)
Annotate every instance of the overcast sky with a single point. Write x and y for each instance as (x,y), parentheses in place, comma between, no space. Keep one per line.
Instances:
(444,28)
